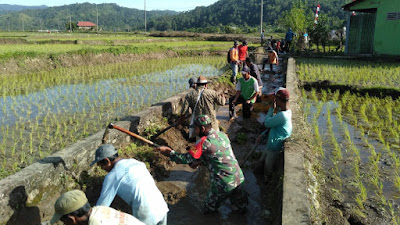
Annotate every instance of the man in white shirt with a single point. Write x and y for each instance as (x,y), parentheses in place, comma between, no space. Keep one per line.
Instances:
(131,181)
(73,208)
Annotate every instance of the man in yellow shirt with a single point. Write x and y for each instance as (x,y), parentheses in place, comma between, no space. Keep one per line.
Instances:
(233,60)
(272,59)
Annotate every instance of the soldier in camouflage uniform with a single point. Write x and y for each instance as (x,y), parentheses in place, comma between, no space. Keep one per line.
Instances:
(207,102)
(214,151)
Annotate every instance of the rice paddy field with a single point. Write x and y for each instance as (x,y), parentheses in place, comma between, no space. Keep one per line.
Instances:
(356,136)
(45,111)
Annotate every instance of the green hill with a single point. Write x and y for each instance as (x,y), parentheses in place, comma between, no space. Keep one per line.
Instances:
(6,8)
(111,16)
(241,13)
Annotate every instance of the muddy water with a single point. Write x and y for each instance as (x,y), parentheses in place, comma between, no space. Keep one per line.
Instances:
(37,124)
(194,183)
(74,98)
(345,192)
(187,211)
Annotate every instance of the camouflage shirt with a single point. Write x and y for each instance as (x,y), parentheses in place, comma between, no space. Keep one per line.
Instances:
(218,157)
(206,105)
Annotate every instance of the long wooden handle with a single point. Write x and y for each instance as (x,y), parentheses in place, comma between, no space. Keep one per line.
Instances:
(133,135)
(248,155)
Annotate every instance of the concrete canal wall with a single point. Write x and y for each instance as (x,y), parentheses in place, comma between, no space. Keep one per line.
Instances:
(31,192)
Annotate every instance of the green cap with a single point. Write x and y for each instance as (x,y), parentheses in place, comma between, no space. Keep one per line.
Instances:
(67,203)
(202,120)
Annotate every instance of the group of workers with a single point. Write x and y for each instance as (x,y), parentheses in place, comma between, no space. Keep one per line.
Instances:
(132,182)
(279,45)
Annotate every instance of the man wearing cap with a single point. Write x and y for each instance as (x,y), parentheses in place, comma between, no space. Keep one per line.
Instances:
(246,93)
(243,53)
(233,60)
(272,59)
(202,100)
(131,181)
(214,151)
(73,208)
(255,72)
(280,128)
(192,82)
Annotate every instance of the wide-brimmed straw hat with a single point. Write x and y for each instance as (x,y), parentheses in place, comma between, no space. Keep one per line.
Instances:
(202,80)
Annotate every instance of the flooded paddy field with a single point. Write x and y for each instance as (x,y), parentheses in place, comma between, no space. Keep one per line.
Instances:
(43,112)
(356,139)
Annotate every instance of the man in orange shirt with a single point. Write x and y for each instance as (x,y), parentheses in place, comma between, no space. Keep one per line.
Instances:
(243,54)
(233,60)
(272,59)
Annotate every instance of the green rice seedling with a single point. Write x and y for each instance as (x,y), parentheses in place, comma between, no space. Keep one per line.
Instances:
(380,136)
(379,193)
(359,201)
(396,159)
(324,96)
(314,95)
(346,133)
(23,157)
(336,171)
(392,213)
(15,167)
(335,96)
(362,109)
(397,182)
(31,142)
(374,172)
(14,148)
(394,134)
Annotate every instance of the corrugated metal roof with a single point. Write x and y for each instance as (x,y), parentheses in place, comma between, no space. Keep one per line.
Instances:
(347,6)
(86,24)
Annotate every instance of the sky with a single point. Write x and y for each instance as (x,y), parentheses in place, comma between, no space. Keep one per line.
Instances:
(176,5)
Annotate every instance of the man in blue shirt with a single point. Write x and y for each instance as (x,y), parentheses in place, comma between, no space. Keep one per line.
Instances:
(280,128)
(131,181)
(289,38)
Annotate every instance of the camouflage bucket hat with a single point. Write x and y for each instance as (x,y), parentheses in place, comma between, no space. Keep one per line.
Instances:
(202,120)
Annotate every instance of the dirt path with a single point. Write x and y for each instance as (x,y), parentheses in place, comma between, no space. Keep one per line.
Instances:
(186,188)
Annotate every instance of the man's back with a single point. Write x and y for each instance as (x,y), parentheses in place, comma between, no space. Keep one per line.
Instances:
(130,180)
(242,52)
(234,54)
(289,36)
(219,158)
(272,57)
(206,104)
(103,215)
(255,72)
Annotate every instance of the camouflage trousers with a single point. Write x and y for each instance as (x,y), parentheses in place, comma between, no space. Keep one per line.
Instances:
(216,197)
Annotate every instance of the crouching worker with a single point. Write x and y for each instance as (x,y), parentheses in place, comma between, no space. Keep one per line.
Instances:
(279,127)
(246,93)
(131,181)
(73,208)
(214,151)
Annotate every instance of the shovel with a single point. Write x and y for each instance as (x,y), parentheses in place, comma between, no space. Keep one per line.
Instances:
(248,155)
(163,130)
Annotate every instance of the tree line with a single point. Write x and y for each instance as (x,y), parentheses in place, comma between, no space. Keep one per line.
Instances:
(227,16)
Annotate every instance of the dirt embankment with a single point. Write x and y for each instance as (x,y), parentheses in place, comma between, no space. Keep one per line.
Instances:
(209,37)
(380,92)
(40,64)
